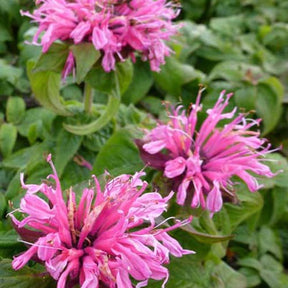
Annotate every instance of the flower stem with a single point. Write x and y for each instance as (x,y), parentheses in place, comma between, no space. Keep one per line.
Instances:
(88,98)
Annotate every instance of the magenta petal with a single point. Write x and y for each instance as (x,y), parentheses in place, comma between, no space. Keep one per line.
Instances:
(175,167)
(214,199)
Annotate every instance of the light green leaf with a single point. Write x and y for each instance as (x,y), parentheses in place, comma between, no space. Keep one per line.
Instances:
(8,135)
(268,103)
(280,201)
(46,85)
(15,110)
(233,71)
(269,242)
(279,165)
(9,73)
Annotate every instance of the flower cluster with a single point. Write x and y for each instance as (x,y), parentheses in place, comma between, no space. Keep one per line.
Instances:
(117,28)
(105,240)
(202,163)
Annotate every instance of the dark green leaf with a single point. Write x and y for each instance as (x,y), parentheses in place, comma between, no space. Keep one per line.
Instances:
(174,74)
(67,145)
(141,83)
(119,155)
(24,278)
(9,239)
(3,205)
(250,203)
(53,60)
(86,56)
(124,74)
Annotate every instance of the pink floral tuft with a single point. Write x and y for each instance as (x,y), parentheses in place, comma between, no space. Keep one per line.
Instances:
(106,239)
(201,163)
(118,28)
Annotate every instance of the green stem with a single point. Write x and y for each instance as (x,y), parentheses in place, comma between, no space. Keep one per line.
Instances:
(88,98)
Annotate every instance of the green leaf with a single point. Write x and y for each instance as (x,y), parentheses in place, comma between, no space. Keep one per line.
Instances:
(272,270)
(101,80)
(53,60)
(268,103)
(250,203)
(279,165)
(9,239)
(9,73)
(175,74)
(252,277)
(3,205)
(39,117)
(24,278)
(269,242)
(246,98)
(46,85)
(8,135)
(15,110)
(229,26)
(234,71)
(14,187)
(67,145)
(141,83)
(119,155)
(226,277)
(250,263)
(28,156)
(4,34)
(186,273)
(86,56)
(124,74)
(280,201)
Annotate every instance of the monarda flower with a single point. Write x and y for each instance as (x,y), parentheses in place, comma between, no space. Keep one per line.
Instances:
(117,28)
(202,163)
(104,240)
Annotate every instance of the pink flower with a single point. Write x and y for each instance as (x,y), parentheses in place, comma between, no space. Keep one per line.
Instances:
(117,28)
(100,241)
(202,163)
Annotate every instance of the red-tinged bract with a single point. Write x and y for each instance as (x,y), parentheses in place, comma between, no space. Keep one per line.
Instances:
(105,240)
(202,163)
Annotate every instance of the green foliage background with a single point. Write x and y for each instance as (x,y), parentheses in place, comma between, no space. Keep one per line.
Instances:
(237,45)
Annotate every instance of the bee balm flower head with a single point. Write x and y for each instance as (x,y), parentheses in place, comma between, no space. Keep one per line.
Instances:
(118,28)
(202,163)
(100,241)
